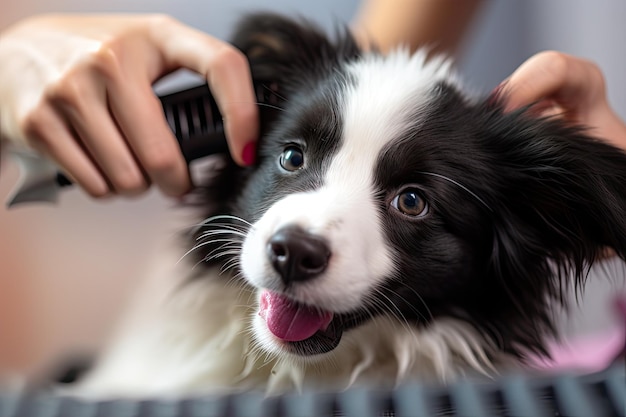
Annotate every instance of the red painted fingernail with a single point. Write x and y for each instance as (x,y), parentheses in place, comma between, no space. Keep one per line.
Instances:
(249,153)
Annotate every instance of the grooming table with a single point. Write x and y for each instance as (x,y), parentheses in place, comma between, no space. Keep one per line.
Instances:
(597,395)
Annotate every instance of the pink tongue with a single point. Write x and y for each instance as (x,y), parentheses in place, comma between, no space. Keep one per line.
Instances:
(289,320)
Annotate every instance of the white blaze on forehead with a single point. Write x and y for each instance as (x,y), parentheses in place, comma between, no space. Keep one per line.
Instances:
(380,105)
(376,106)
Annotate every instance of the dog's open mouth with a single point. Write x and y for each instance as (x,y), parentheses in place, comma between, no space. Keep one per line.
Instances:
(305,330)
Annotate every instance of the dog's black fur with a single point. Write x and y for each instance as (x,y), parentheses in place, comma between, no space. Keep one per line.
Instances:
(518,203)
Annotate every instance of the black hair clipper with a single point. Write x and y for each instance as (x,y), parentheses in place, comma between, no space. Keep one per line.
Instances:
(193,116)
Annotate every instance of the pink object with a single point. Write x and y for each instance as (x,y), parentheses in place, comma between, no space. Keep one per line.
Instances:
(291,321)
(589,353)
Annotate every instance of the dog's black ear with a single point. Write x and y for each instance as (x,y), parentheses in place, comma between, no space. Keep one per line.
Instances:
(290,52)
(557,201)
(561,196)
(567,187)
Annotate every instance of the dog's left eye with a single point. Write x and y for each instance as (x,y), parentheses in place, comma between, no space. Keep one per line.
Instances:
(292,158)
(410,203)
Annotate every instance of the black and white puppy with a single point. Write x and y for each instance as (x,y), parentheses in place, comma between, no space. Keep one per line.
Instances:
(393,228)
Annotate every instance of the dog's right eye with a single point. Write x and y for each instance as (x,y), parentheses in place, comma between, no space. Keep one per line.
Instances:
(410,202)
(292,158)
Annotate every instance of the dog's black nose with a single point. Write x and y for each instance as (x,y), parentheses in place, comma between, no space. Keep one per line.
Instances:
(296,254)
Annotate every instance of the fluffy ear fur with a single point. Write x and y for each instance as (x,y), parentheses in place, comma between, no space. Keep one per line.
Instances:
(293,53)
(568,184)
(558,200)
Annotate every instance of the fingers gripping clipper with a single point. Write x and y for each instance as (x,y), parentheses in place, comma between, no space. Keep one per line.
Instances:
(193,117)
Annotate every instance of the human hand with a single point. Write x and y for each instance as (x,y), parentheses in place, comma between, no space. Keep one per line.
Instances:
(567,86)
(78,88)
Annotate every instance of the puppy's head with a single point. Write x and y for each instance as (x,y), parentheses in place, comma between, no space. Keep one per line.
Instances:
(382,190)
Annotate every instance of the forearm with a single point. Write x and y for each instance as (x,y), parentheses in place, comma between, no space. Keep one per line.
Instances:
(439,24)
(9,131)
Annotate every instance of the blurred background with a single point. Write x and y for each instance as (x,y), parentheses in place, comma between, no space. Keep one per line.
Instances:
(66,270)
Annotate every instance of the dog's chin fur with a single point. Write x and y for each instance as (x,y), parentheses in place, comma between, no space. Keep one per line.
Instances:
(196,339)
(449,230)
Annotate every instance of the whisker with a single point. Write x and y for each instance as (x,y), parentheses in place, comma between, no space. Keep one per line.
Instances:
(258,103)
(458,184)
(242,227)
(236,251)
(398,313)
(231,263)
(237,281)
(271,106)
(220,232)
(231,251)
(198,246)
(216,253)
(225,253)
(274,92)
(430,314)
(219,217)
(225,231)
(378,305)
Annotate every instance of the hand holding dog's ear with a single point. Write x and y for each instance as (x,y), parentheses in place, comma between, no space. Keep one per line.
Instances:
(570,86)
(78,89)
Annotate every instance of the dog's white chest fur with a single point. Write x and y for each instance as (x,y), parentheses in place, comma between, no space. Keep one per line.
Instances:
(195,337)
